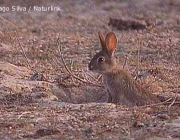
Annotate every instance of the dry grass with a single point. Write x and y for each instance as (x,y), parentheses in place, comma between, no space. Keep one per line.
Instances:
(31,102)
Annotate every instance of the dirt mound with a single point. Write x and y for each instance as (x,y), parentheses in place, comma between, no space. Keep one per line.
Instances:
(40,99)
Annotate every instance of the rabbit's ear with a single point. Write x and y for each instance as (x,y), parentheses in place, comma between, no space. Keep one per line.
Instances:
(111,42)
(102,39)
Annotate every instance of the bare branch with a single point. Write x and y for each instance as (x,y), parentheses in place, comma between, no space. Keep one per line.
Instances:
(17,38)
(173,101)
(68,70)
(22,49)
(125,62)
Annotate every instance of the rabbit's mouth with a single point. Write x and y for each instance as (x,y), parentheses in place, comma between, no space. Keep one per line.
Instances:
(91,68)
(97,71)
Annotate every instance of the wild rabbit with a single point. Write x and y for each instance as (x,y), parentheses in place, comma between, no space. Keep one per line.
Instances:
(119,83)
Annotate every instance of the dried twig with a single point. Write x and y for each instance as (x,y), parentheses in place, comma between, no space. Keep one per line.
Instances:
(95,79)
(156,104)
(125,62)
(99,77)
(8,22)
(145,106)
(22,49)
(138,55)
(68,70)
(17,38)
(173,101)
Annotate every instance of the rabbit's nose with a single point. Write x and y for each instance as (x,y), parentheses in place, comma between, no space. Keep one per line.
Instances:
(90,67)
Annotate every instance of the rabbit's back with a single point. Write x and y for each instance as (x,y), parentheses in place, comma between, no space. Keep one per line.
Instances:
(124,90)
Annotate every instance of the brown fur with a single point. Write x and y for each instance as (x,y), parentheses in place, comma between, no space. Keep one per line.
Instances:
(126,90)
(119,83)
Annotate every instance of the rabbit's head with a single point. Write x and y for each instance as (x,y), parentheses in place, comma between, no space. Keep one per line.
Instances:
(104,61)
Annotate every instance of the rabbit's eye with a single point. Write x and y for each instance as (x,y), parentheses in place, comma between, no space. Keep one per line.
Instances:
(101,59)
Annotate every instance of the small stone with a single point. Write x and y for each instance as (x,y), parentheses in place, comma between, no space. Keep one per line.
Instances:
(148,110)
(138,124)
(163,116)
(159,22)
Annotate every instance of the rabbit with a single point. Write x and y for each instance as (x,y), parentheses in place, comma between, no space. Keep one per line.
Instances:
(118,82)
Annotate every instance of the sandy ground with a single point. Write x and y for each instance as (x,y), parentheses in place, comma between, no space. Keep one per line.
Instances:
(39,99)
